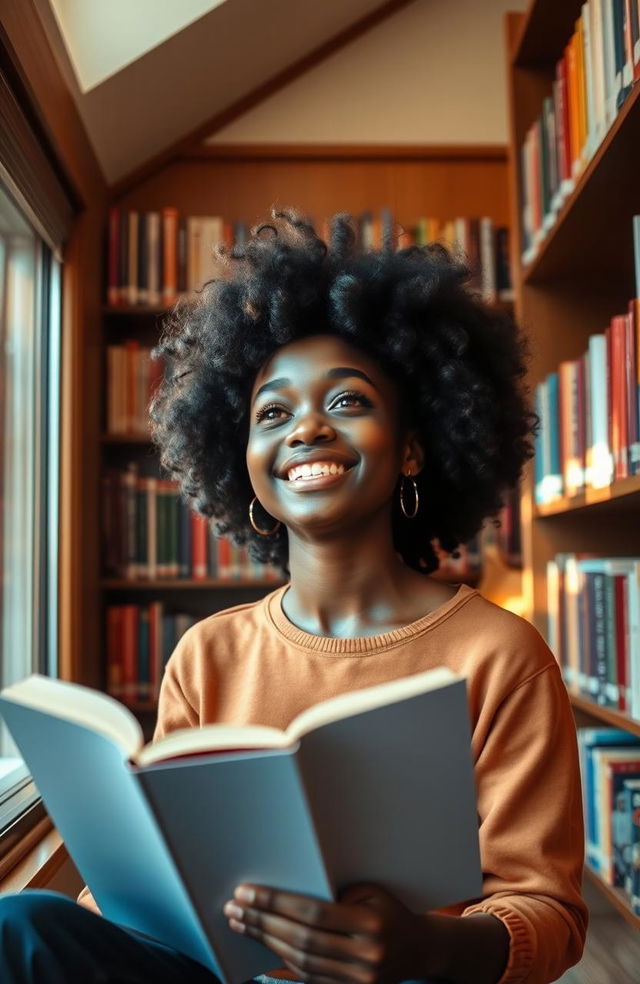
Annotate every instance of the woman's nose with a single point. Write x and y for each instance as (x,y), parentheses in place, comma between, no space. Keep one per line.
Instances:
(310,428)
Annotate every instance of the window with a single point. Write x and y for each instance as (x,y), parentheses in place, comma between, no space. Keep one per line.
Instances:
(29,481)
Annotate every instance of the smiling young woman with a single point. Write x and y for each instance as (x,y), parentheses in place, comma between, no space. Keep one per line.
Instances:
(342,412)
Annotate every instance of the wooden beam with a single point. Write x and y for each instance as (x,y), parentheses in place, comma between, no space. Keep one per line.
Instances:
(341,152)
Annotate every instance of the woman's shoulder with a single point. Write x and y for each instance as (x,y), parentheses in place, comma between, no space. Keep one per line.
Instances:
(501,643)
(232,623)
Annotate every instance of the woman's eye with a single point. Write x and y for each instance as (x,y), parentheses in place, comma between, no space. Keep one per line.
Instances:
(270,412)
(351,399)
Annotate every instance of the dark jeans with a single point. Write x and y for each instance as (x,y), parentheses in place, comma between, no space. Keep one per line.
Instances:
(45,938)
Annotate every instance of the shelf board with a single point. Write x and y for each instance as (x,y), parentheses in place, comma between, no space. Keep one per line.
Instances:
(161,584)
(585,236)
(546,29)
(607,714)
(133,310)
(615,896)
(591,497)
(125,439)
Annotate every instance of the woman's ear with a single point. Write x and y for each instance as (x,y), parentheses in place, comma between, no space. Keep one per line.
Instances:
(412,455)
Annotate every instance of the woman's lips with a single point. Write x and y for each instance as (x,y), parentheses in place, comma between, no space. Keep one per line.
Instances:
(308,483)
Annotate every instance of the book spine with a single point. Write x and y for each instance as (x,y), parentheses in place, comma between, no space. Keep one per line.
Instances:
(132,271)
(113,285)
(631,390)
(115,651)
(170,255)
(621,618)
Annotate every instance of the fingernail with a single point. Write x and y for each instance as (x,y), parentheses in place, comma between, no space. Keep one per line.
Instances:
(236,926)
(244,894)
(233,910)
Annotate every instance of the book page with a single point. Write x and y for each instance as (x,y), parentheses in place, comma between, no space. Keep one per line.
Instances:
(212,738)
(357,701)
(80,705)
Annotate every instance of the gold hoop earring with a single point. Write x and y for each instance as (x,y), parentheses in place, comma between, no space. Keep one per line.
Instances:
(253,522)
(416,497)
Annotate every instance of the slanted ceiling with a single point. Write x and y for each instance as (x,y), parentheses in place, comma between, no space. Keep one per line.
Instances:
(161,84)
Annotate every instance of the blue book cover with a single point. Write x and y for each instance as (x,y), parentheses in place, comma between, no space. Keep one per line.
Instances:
(588,739)
(555,465)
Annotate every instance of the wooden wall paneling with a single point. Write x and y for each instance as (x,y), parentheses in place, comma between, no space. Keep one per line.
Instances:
(246,190)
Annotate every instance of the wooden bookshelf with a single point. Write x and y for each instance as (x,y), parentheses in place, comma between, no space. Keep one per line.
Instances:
(189,584)
(615,896)
(581,275)
(623,494)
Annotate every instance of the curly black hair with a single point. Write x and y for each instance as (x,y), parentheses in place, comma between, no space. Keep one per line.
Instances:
(459,366)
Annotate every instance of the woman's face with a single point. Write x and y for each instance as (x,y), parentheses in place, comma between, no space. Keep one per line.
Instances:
(324,447)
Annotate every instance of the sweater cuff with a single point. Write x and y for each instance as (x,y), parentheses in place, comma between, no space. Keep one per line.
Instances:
(521,947)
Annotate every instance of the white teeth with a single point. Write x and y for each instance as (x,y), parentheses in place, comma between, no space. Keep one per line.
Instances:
(302,472)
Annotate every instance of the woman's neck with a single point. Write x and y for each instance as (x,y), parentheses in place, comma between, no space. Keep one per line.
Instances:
(351,586)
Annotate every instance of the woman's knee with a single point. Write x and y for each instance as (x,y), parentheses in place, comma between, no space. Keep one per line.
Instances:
(34,910)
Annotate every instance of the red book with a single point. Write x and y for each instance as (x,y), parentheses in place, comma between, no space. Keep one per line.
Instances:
(199,538)
(170,255)
(619,424)
(620,584)
(130,627)
(224,558)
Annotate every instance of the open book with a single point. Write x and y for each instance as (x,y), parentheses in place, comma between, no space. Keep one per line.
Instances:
(374,785)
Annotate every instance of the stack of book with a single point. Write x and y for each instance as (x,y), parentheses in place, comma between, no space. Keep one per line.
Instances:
(132,378)
(590,410)
(150,534)
(156,257)
(610,767)
(140,639)
(592,80)
(593,606)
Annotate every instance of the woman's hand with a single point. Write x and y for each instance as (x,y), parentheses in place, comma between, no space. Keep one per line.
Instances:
(368,937)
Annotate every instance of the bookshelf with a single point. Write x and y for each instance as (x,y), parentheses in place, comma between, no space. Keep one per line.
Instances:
(580,277)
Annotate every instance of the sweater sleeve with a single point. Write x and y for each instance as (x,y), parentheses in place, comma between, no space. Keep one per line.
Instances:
(531,829)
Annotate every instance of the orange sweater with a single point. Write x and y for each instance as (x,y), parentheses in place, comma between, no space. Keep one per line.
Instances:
(249,664)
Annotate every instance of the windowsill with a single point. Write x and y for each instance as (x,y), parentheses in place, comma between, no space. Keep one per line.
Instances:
(34,861)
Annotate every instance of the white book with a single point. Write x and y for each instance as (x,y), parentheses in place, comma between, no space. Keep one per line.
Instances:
(612,83)
(599,455)
(487,259)
(597,60)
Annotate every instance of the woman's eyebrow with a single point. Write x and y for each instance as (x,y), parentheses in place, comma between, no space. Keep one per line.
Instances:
(340,372)
(343,371)
(273,384)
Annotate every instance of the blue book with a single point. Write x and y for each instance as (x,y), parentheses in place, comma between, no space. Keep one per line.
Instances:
(372,785)
(588,739)
(554,474)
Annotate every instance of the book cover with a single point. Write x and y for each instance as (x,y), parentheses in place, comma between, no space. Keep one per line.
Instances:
(372,785)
